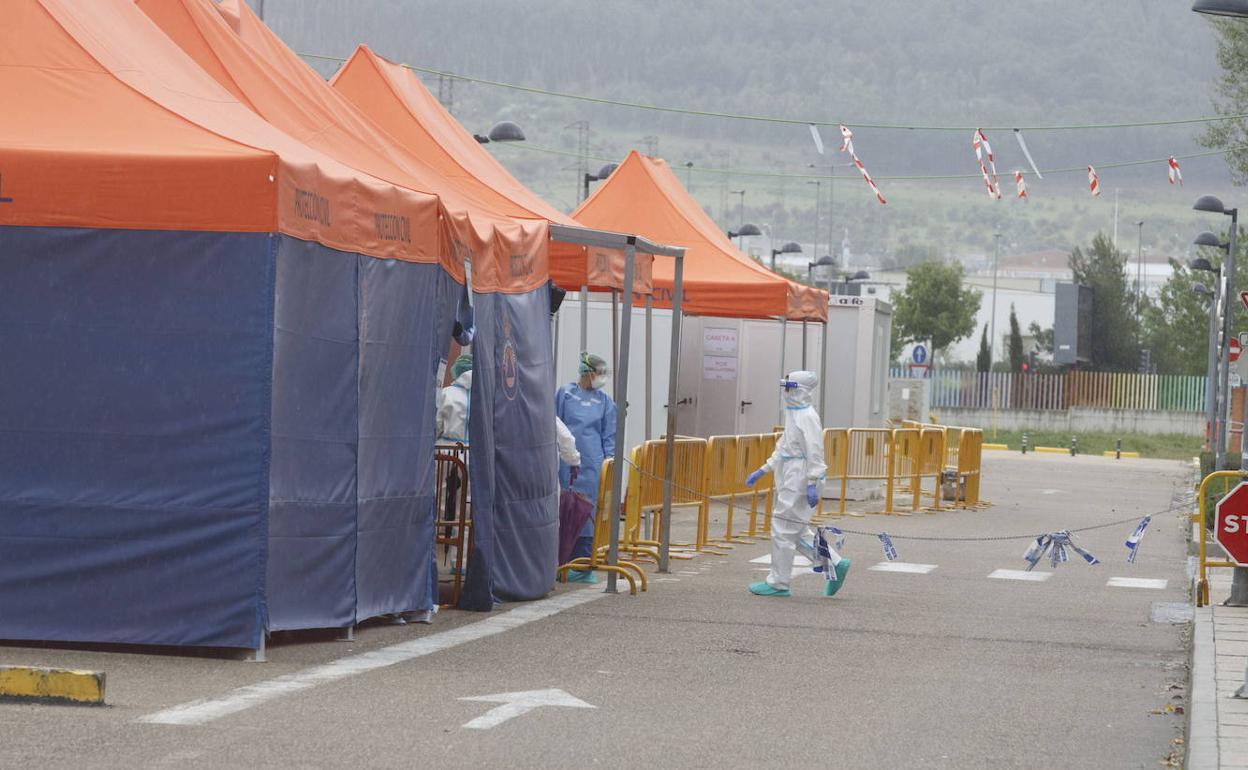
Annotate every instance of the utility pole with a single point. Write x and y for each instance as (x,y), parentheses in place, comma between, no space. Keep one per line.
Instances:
(582,157)
(1139,276)
(814,246)
(992,320)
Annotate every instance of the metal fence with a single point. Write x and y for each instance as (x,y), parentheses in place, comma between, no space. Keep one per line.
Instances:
(959,388)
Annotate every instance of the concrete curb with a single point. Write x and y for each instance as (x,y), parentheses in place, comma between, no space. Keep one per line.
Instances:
(1202,709)
(51,685)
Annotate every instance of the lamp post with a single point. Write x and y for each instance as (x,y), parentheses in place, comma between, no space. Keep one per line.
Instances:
(602,174)
(992,319)
(1139,275)
(504,131)
(814,243)
(1211,380)
(824,261)
(791,247)
(689,176)
(1213,205)
(746,229)
(741,204)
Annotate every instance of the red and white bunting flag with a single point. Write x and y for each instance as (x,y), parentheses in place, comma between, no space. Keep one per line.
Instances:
(1094,184)
(982,148)
(1173,171)
(848,146)
(1022,186)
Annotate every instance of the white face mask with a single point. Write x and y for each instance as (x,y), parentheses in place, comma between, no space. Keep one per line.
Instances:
(599,382)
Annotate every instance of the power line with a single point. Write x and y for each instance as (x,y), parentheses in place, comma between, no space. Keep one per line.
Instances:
(796,121)
(911,177)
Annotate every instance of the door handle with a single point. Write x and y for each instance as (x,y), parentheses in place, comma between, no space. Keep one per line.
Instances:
(684,401)
(744,404)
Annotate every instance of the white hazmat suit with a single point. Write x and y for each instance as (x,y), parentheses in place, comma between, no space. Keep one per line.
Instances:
(454,402)
(798,464)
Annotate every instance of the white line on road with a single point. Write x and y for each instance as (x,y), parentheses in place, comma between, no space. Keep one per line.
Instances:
(1126,582)
(1018,574)
(205,710)
(798,561)
(901,566)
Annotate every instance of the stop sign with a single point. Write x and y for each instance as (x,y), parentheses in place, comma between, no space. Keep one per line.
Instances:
(1230,524)
(1233,350)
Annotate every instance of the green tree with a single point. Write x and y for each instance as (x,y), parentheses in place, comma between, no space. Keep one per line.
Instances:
(1016,342)
(935,306)
(983,360)
(1176,324)
(1043,337)
(1231,98)
(1115,331)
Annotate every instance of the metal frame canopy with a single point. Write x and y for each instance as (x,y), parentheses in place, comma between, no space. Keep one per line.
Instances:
(631,244)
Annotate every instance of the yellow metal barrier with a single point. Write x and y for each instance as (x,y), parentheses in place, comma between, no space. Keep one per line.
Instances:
(970,456)
(870,457)
(932,465)
(908,462)
(721,482)
(1202,499)
(604,515)
(688,491)
(752,452)
(835,456)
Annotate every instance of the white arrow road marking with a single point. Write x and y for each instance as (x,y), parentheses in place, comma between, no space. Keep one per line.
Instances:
(901,566)
(517,703)
(202,711)
(1126,582)
(1018,574)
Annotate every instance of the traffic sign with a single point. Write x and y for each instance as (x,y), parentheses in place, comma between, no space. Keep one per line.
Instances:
(919,353)
(1230,524)
(1243,297)
(1234,349)
(1243,339)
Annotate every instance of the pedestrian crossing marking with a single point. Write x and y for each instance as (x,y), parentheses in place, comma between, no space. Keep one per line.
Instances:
(901,566)
(798,561)
(1018,574)
(1126,582)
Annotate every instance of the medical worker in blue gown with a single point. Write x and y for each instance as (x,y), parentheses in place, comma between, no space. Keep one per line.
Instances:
(589,413)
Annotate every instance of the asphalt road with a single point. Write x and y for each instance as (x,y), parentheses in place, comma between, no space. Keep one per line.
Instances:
(944,669)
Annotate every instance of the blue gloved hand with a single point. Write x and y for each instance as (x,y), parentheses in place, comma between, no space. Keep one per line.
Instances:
(812,495)
(753,478)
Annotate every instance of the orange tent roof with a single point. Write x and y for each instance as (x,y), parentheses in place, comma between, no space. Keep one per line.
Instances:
(643,196)
(394,97)
(507,245)
(119,129)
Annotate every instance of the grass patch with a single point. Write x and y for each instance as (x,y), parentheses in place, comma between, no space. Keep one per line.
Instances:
(1161,447)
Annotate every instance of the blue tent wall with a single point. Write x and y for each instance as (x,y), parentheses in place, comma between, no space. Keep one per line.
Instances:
(406,313)
(514,460)
(312,505)
(134,454)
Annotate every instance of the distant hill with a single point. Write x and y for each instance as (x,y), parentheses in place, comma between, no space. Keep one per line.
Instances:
(893,61)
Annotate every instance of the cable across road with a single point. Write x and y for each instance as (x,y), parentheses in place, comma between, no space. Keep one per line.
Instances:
(1202,119)
(925,538)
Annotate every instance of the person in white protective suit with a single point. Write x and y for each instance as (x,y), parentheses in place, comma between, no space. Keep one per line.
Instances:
(800,470)
(454,403)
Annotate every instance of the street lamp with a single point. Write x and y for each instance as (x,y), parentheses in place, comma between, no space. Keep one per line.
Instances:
(1213,205)
(505,131)
(1211,381)
(992,319)
(1237,8)
(824,261)
(746,229)
(818,187)
(789,248)
(741,204)
(602,174)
